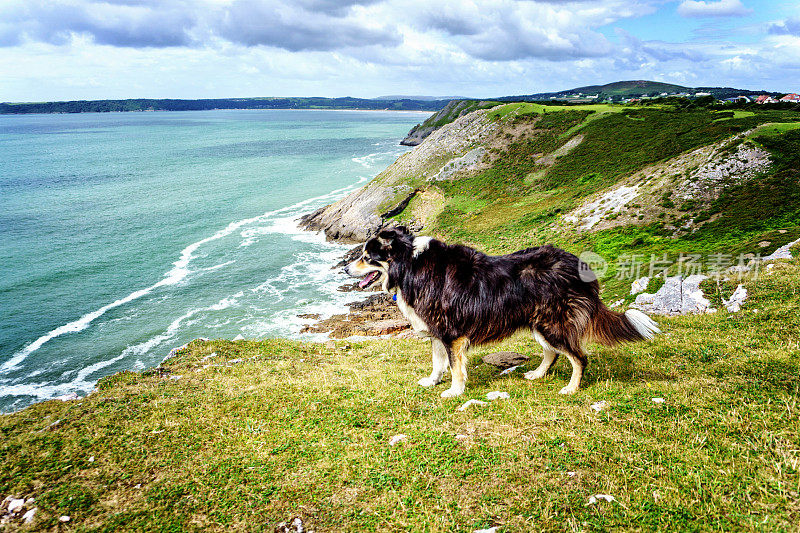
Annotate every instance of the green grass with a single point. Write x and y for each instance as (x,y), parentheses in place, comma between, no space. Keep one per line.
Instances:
(518,108)
(302,429)
(738,113)
(775,129)
(527,108)
(524,200)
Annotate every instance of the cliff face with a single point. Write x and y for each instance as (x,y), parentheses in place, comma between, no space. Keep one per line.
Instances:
(452,111)
(357,216)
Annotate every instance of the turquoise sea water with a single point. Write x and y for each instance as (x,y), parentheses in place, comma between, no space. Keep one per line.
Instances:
(126,235)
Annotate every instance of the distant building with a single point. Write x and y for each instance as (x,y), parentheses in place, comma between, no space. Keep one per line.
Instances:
(702,94)
(793,98)
(739,99)
(766,99)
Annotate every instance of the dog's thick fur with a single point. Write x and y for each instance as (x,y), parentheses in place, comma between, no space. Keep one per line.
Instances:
(461,297)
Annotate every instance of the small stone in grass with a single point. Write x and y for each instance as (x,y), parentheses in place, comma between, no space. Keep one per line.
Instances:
(658,400)
(28,517)
(462,437)
(470,402)
(397,438)
(504,359)
(509,370)
(15,505)
(497,395)
(597,497)
(67,397)
(64,519)
(492,529)
(598,406)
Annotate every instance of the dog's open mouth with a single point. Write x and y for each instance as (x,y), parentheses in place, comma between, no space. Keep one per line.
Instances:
(372,276)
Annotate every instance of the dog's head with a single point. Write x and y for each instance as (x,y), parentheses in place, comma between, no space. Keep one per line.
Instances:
(389,246)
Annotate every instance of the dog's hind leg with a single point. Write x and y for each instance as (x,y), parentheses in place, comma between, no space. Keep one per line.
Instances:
(578,359)
(549,357)
(457,352)
(439,364)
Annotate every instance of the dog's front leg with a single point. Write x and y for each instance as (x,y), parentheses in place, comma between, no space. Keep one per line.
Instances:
(457,352)
(439,364)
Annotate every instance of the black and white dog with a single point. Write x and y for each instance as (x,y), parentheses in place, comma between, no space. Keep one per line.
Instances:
(461,297)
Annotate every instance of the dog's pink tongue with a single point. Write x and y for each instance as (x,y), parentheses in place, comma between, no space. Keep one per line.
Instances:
(364,282)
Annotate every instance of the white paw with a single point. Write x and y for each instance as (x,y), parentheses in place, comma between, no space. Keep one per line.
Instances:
(452,393)
(568,390)
(535,374)
(427,382)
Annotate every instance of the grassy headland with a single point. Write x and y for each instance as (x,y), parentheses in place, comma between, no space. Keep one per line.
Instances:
(243,435)
(265,431)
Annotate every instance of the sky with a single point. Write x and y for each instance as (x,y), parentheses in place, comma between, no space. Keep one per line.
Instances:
(93,49)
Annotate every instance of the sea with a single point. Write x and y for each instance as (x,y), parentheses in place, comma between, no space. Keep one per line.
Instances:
(125,235)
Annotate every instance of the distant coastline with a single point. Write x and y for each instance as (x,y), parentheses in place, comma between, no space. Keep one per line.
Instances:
(147,104)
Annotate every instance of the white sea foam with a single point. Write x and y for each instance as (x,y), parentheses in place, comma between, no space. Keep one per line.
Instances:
(217,267)
(311,270)
(178,273)
(144,347)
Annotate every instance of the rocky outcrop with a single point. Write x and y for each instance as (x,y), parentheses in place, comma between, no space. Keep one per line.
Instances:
(377,315)
(469,161)
(724,170)
(449,113)
(357,216)
(694,178)
(417,134)
(678,296)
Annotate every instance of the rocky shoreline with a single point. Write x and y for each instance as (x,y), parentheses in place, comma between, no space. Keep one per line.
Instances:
(374,316)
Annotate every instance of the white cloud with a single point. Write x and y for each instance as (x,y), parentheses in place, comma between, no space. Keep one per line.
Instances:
(721,8)
(73,49)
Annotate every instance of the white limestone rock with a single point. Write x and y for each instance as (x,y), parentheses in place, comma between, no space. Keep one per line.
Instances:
(678,296)
(736,301)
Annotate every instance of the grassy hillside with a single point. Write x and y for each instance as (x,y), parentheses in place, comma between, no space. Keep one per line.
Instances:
(521,199)
(445,115)
(243,435)
(631,88)
(638,88)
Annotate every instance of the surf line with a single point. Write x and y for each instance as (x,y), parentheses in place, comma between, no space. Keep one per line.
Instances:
(179,271)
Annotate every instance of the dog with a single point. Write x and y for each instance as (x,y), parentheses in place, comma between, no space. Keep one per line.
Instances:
(460,297)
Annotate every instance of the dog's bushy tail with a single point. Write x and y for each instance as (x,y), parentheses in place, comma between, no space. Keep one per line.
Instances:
(609,327)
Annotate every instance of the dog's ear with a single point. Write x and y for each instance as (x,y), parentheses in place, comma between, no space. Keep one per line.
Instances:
(387,236)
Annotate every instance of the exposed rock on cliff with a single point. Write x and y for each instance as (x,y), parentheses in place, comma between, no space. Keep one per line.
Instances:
(357,216)
(449,113)
(688,182)
(375,316)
